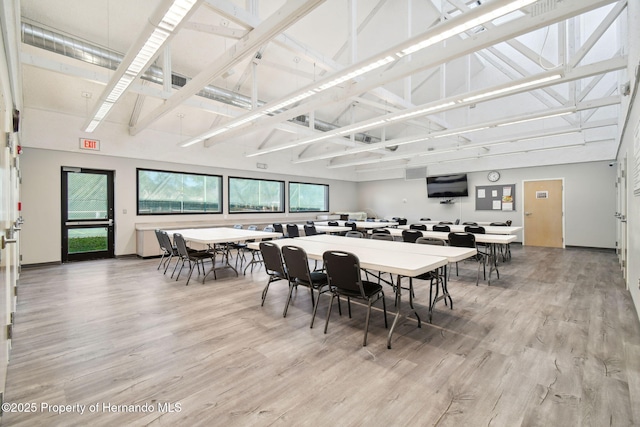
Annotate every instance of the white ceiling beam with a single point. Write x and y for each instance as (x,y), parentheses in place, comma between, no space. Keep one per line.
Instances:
(433,57)
(287,15)
(598,33)
(216,30)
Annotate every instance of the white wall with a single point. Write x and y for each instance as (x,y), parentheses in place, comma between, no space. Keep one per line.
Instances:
(590,201)
(41,233)
(627,152)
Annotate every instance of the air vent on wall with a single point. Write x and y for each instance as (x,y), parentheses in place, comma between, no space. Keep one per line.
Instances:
(415,173)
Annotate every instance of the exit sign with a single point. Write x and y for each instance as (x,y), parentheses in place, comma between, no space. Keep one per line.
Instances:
(89,144)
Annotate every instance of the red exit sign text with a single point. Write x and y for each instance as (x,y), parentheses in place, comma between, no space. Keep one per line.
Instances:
(89,144)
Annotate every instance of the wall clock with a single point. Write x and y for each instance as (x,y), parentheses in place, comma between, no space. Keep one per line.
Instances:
(493,176)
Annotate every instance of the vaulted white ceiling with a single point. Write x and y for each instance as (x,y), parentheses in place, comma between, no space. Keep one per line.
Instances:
(541,85)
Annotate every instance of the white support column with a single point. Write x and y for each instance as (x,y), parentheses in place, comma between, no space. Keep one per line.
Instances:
(407,80)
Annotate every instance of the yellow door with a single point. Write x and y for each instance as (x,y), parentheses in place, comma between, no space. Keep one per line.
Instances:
(543,217)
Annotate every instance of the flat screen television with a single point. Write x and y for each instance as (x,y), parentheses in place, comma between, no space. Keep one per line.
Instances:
(447,186)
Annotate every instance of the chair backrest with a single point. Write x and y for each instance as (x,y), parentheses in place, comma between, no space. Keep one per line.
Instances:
(430,241)
(425,219)
(381,231)
(333,223)
(474,229)
(508,223)
(237,226)
(296,263)
(498,224)
(354,233)
(402,221)
(161,240)
(293,230)
(418,227)
(252,227)
(310,230)
(278,227)
(269,229)
(444,228)
(343,272)
(382,236)
(445,222)
(469,223)
(350,224)
(310,222)
(166,243)
(272,257)
(462,240)
(181,245)
(411,235)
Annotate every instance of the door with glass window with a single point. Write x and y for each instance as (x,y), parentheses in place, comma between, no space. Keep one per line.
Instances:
(87,214)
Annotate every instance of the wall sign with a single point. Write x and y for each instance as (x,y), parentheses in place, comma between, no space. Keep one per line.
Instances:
(90,144)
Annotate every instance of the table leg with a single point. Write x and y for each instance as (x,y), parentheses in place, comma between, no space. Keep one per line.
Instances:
(397,316)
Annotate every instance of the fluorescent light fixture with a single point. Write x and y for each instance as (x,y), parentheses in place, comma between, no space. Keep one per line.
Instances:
(202,138)
(488,16)
(548,116)
(289,102)
(366,126)
(421,111)
(352,75)
(512,88)
(458,132)
(171,19)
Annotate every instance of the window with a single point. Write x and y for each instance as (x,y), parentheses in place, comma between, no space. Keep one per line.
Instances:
(163,192)
(308,197)
(255,195)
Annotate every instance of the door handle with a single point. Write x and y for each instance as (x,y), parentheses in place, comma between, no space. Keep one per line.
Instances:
(528,213)
(5,241)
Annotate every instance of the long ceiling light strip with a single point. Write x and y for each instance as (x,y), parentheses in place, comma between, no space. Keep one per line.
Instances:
(171,19)
(511,88)
(450,149)
(465,25)
(406,141)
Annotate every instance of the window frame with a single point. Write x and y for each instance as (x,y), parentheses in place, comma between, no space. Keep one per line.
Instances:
(308,183)
(283,196)
(220,191)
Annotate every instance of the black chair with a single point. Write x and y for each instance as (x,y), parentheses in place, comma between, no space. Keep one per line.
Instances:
(444,228)
(272,258)
(425,219)
(354,233)
(435,278)
(505,250)
(240,247)
(470,223)
(293,230)
(481,247)
(381,231)
(402,221)
(194,258)
(350,224)
(169,250)
(411,235)
(418,227)
(309,222)
(333,223)
(277,227)
(344,277)
(255,253)
(445,223)
(296,264)
(310,230)
(467,240)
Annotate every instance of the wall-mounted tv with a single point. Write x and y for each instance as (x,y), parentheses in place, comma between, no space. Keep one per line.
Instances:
(448,186)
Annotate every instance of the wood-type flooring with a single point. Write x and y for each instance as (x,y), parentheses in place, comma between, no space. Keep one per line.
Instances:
(554,342)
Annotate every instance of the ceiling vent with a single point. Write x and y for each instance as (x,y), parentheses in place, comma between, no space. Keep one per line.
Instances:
(415,173)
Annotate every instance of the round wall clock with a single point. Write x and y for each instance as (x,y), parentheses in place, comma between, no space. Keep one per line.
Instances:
(493,176)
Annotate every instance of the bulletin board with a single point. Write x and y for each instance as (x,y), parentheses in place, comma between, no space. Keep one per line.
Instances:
(496,197)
